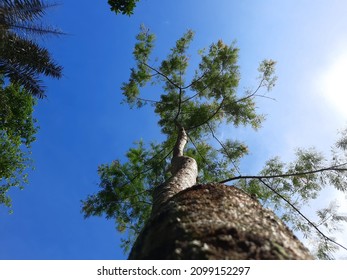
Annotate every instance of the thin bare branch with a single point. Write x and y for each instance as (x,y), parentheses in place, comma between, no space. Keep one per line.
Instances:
(197,150)
(264,96)
(331,168)
(224,148)
(254,93)
(149,100)
(302,215)
(161,74)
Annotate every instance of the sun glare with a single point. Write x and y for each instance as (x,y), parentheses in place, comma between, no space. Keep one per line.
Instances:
(334,84)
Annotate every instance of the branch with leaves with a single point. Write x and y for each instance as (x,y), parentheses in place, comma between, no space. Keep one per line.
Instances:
(199,106)
(17,133)
(297,186)
(125,7)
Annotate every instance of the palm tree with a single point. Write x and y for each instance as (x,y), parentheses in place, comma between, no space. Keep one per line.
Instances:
(22,59)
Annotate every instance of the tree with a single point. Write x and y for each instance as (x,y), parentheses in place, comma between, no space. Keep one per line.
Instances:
(22,59)
(17,132)
(125,7)
(158,202)
(22,62)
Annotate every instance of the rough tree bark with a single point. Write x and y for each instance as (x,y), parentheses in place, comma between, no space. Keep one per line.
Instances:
(211,221)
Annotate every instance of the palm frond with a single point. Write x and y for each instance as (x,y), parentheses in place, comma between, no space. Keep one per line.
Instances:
(24,77)
(24,10)
(22,60)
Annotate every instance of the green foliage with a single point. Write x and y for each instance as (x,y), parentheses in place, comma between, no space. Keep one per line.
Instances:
(299,189)
(141,75)
(211,164)
(290,188)
(125,7)
(199,105)
(330,218)
(267,70)
(125,193)
(330,221)
(233,149)
(17,133)
(339,156)
(22,59)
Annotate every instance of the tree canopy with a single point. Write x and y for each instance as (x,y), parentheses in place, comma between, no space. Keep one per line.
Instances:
(201,104)
(22,62)
(125,7)
(17,133)
(22,59)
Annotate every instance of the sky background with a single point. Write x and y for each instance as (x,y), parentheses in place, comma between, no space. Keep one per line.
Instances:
(82,123)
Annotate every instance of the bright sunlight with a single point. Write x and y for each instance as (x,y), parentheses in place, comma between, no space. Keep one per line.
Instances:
(334,84)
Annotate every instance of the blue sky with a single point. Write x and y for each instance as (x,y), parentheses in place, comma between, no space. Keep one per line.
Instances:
(82,123)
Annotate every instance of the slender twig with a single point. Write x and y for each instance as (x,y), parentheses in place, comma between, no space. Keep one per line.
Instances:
(254,92)
(264,96)
(210,117)
(197,150)
(130,180)
(331,168)
(191,97)
(224,148)
(149,100)
(195,80)
(325,220)
(205,87)
(161,74)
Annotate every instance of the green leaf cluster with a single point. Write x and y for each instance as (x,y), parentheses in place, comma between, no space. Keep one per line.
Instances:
(330,220)
(17,133)
(299,188)
(290,187)
(140,75)
(125,188)
(125,7)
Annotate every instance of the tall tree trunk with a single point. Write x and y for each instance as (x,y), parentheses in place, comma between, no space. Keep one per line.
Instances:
(212,221)
(184,172)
